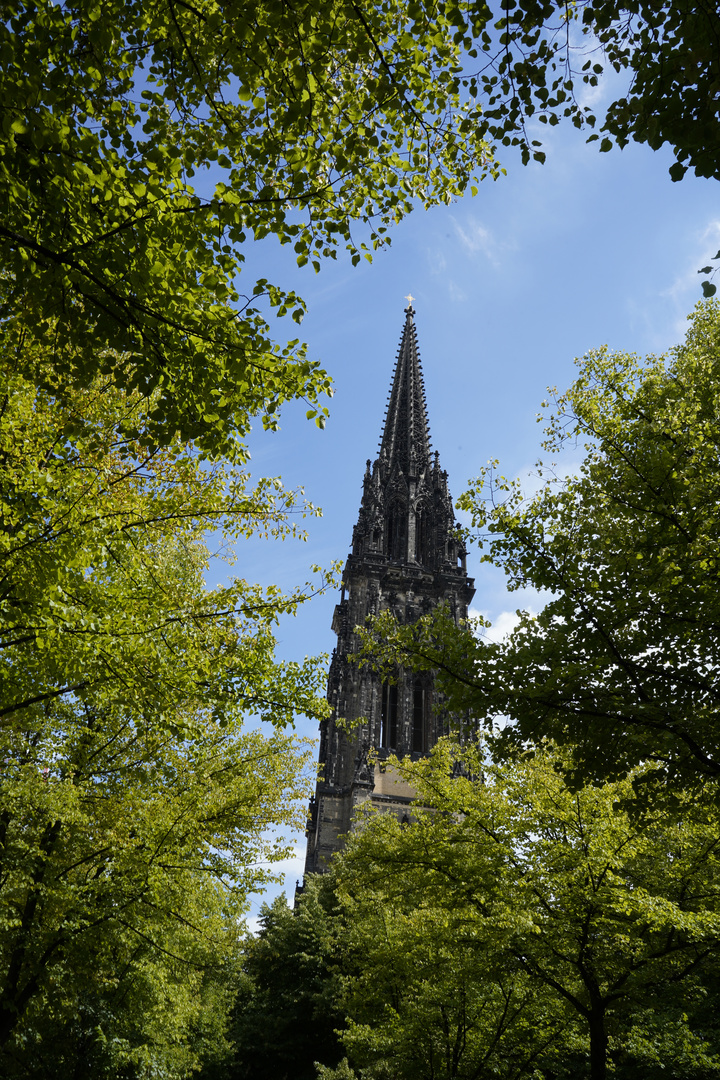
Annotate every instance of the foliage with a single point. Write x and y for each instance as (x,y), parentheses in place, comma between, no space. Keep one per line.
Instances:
(286,1016)
(516,928)
(136,812)
(544,52)
(708,287)
(342,1072)
(144,146)
(671,50)
(621,662)
(103,561)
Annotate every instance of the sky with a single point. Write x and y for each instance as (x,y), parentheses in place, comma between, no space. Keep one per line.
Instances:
(510,286)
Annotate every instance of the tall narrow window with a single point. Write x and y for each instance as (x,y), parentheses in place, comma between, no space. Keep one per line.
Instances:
(395,532)
(418,719)
(421,524)
(389,717)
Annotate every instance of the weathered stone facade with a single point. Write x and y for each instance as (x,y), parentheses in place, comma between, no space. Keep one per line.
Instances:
(406,557)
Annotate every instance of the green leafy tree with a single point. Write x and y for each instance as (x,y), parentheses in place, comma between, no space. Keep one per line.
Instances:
(143,146)
(621,662)
(539,54)
(518,928)
(103,559)
(288,1012)
(137,811)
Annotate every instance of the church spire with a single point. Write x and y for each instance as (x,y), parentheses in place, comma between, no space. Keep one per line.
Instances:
(406,513)
(407,558)
(406,434)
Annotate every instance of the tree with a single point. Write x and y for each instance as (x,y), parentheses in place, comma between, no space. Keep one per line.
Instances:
(289,1010)
(518,928)
(137,809)
(432,997)
(621,662)
(144,145)
(103,561)
(123,884)
(543,51)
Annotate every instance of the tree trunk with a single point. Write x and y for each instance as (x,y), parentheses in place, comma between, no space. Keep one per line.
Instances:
(598,1042)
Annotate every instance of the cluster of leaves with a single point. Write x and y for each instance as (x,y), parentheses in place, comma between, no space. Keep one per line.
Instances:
(136,810)
(103,559)
(709,289)
(539,56)
(289,1011)
(144,146)
(126,861)
(518,929)
(514,928)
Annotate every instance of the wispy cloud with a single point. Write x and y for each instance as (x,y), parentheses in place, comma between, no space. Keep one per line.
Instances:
(477,239)
(503,618)
(439,266)
(457,294)
(685,288)
(289,871)
(502,624)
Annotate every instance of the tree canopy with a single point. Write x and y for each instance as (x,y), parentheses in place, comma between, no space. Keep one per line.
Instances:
(543,53)
(137,810)
(145,147)
(516,928)
(103,560)
(289,1011)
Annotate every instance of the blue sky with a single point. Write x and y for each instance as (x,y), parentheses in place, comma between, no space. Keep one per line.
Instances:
(510,286)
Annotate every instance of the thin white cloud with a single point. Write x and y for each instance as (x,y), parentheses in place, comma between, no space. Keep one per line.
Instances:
(289,871)
(534,480)
(477,239)
(502,624)
(685,289)
(437,261)
(457,294)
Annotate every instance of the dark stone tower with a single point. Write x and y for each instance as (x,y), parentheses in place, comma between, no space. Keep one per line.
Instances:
(406,557)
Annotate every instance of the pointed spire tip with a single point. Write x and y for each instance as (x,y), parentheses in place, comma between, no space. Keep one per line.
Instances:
(406,436)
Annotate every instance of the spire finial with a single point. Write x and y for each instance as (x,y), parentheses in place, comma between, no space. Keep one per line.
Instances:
(409,299)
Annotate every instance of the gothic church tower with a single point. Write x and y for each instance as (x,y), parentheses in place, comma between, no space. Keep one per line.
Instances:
(406,557)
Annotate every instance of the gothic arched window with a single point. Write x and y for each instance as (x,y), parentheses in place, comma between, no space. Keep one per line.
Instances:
(389,717)
(396,532)
(422,534)
(419,718)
